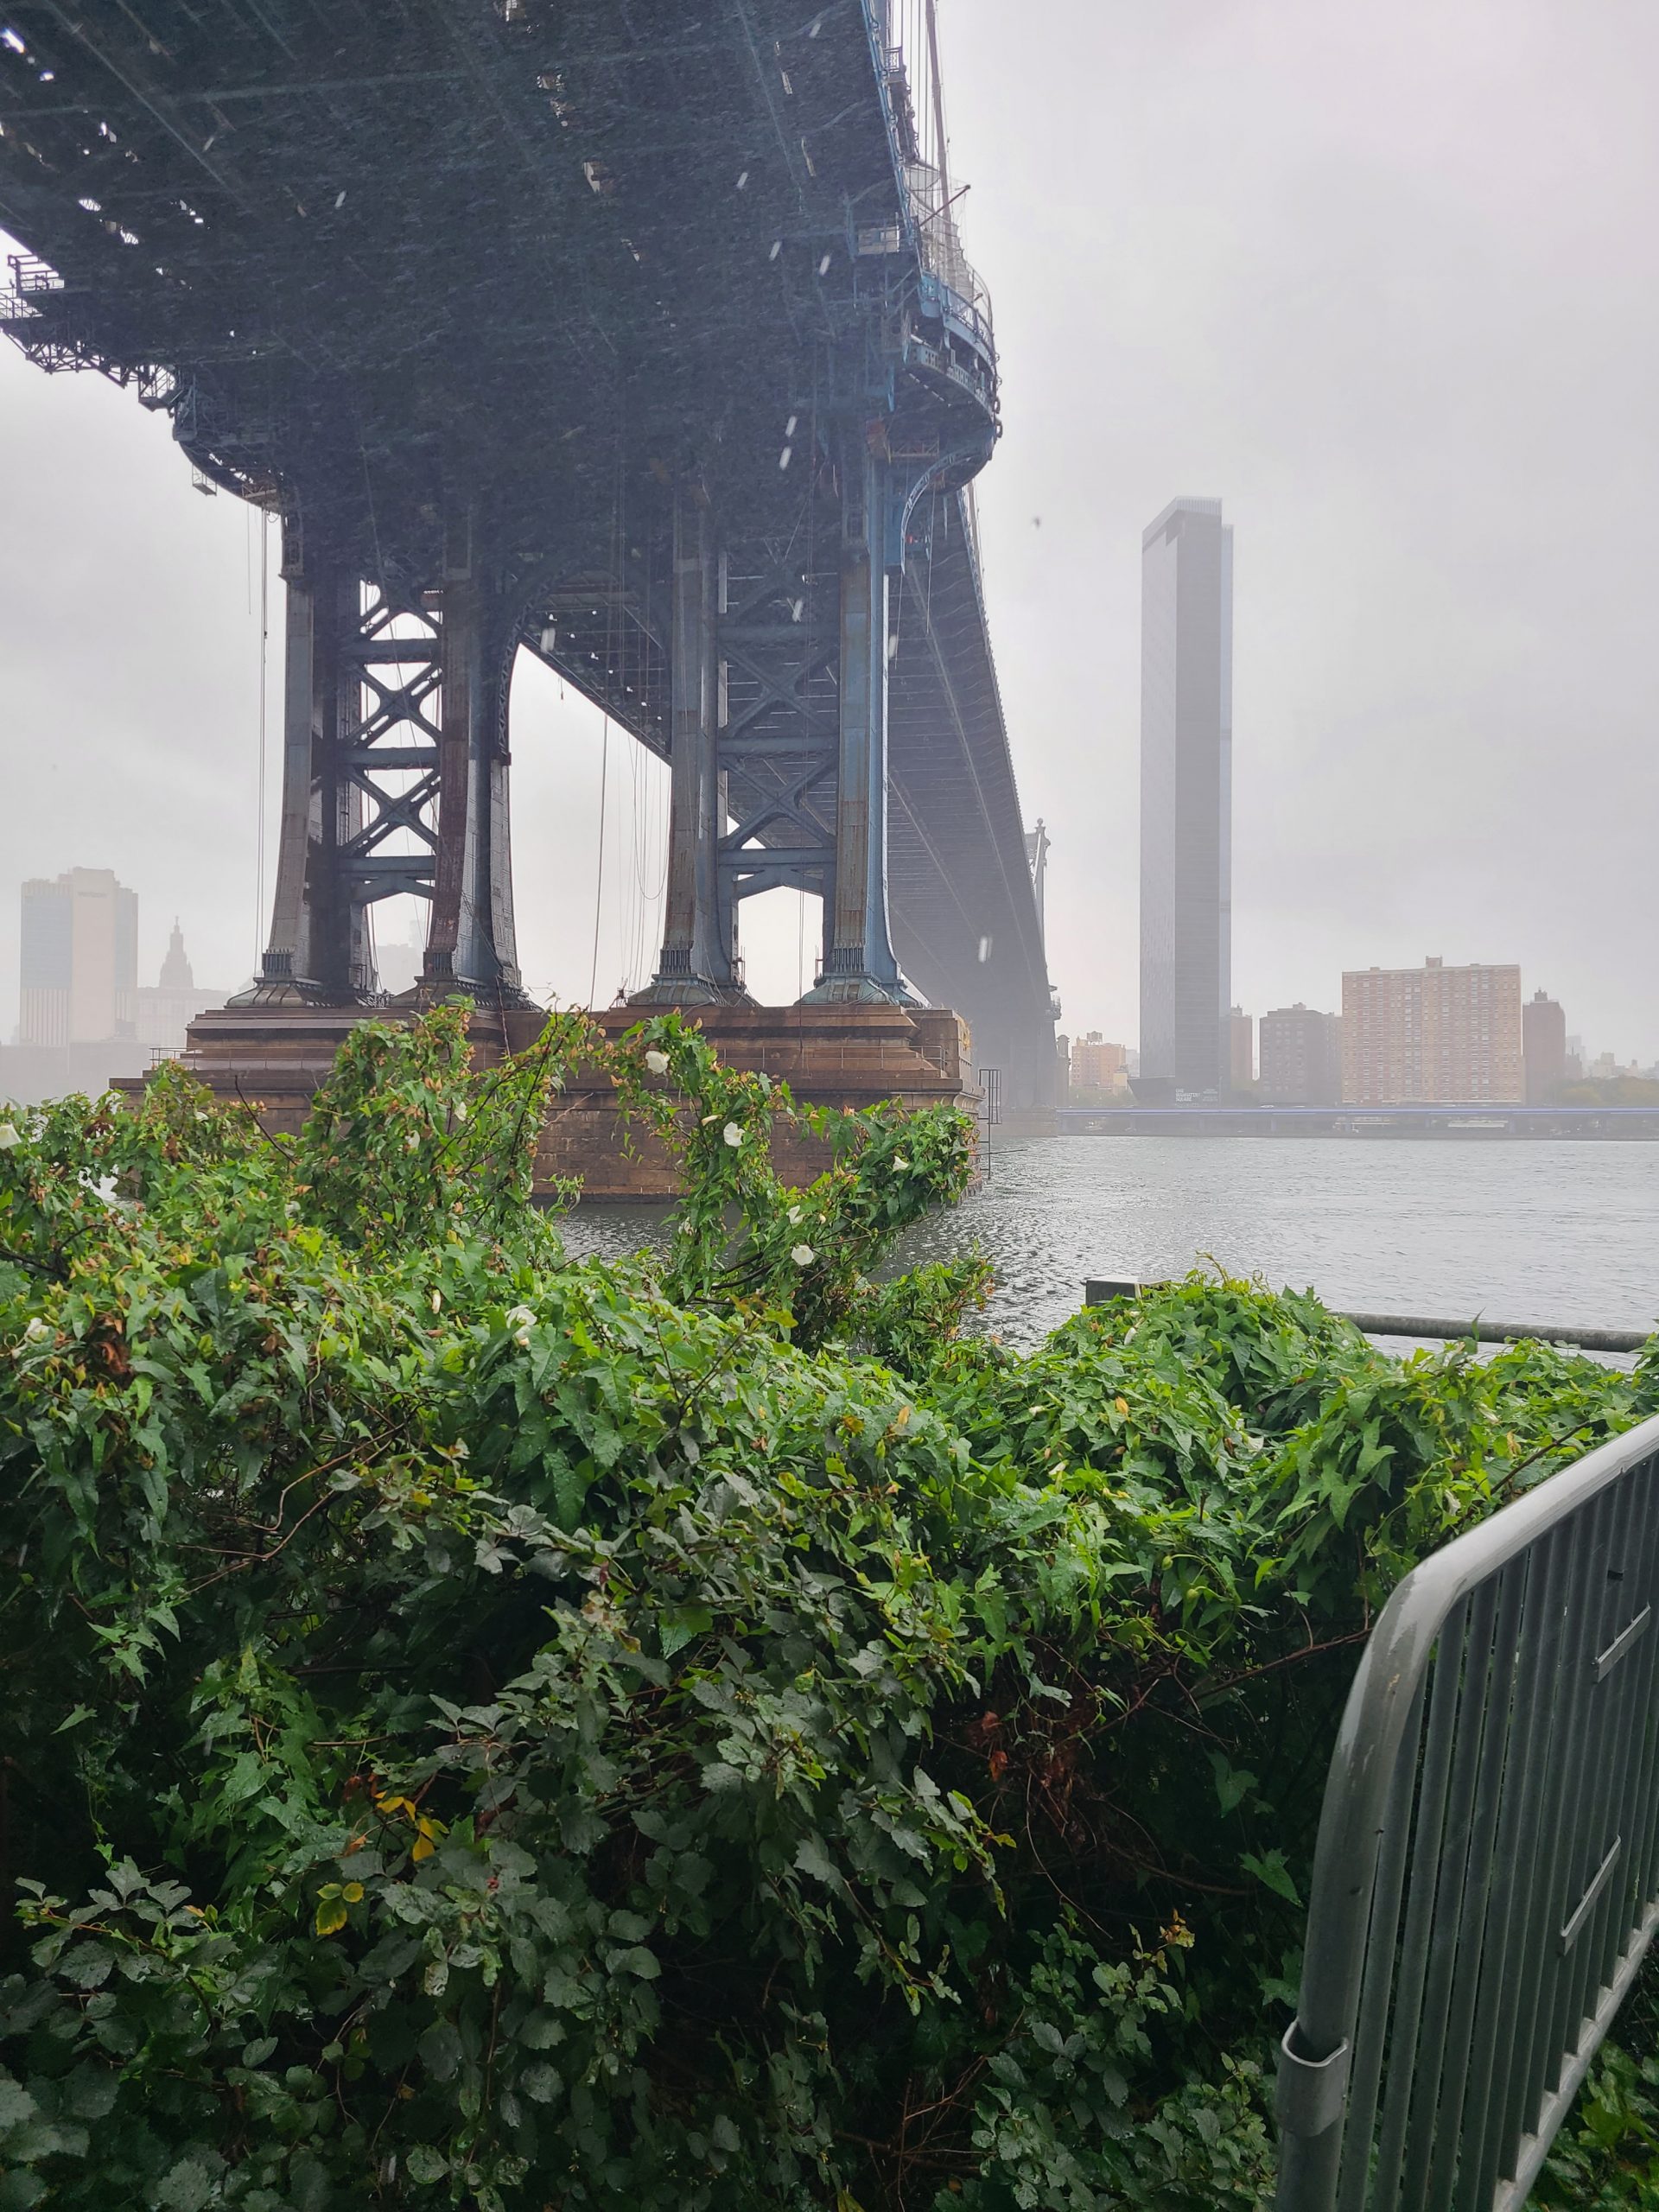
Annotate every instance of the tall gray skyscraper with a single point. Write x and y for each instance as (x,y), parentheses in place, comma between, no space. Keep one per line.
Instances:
(80,964)
(1186,799)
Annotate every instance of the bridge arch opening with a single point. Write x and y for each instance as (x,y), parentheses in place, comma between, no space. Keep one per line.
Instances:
(585,917)
(781,940)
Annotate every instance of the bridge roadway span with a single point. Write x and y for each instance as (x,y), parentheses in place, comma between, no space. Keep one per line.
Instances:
(634,335)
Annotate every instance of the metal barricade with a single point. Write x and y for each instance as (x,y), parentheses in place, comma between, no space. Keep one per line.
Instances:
(1486,1880)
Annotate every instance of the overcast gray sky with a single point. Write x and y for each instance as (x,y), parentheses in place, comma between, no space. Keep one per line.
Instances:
(1380,277)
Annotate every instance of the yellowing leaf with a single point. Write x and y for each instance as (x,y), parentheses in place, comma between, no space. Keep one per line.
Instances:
(331,1916)
(353,1893)
(425,1842)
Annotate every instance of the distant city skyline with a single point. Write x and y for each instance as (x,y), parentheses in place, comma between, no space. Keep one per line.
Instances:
(78,963)
(84,1016)
(1581,1060)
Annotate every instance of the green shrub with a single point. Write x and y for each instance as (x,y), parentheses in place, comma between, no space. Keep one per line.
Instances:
(490,1730)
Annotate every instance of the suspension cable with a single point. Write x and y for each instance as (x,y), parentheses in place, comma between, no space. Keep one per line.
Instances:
(259,790)
(599,878)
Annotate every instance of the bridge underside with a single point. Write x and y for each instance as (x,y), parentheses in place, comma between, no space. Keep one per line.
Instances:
(641,343)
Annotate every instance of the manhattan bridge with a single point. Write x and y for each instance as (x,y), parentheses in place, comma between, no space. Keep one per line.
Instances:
(635,335)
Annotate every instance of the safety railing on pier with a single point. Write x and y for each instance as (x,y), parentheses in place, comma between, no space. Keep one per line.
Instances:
(1486,1880)
(30,279)
(939,244)
(905,36)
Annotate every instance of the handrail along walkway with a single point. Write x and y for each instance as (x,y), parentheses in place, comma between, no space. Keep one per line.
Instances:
(1486,1880)
(1106,1290)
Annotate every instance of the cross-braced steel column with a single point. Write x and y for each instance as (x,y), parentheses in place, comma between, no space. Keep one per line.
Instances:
(858,962)
(394,780)
(318,940)
(695,967)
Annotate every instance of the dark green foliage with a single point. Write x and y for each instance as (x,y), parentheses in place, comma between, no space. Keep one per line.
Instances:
(491,1732)
(1607,2154)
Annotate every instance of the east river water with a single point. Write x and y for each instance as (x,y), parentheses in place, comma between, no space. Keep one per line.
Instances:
(1560,1233)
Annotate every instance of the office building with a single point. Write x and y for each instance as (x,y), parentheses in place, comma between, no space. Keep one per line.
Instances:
(83,1017)
(1543,1048)
(167,1007)
(79,967)
(1241,1051)
(1433,1035)
(398,965)
(1300,1056)
(1186,715)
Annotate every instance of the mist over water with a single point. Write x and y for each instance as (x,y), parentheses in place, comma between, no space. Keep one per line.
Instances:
(1561,1233)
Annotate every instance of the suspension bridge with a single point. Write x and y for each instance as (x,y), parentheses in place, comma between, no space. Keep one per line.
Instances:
(638,339)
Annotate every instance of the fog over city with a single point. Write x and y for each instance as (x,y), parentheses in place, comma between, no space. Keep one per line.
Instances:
(1382,278)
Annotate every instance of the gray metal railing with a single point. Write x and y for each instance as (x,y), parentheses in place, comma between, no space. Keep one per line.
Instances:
(1106,1290)
(939,244)
(1486,1880)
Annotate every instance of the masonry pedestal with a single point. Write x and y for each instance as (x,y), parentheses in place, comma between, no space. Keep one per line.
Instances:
(274,1056)
(844,1055)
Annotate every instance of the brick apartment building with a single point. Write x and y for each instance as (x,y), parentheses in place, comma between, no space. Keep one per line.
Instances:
(1432,1035)
(1543,1047)
(1096,1065)
(1300,1056)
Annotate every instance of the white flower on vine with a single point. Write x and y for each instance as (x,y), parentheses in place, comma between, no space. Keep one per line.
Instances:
(520,1317)
(733,1134)
(522,1339)
(802,1255)
(9,1136)
(437,1301)
(461,1113)
(656,1061)
(899,1162)
(36,1329)
(794,1213)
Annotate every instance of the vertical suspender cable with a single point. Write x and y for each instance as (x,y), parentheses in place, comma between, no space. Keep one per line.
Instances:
(599,878)
(259,794)
(941,160)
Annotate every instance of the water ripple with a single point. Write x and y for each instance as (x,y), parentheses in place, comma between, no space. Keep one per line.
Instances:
(1564,1232)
